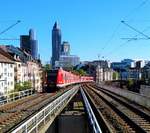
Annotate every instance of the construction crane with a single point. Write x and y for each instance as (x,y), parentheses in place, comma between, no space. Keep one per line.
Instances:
(5,39)
(134,38)
(146,37)
(11,26)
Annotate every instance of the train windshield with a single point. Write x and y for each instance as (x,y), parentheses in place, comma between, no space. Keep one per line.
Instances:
(52,76)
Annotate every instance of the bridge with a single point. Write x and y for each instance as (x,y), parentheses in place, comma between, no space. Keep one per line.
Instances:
(82,108)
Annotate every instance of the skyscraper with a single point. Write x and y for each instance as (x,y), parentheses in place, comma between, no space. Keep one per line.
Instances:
(34,48)
(56,43)
(25,43)
(29,43)
(32,34)
(33,44)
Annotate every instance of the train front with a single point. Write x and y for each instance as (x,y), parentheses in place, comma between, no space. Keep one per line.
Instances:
(51,80)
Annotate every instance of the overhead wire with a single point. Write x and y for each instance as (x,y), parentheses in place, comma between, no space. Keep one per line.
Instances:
(131,27)
(111,38)
(135,9)
(11,26)
(129,40)
(135,37)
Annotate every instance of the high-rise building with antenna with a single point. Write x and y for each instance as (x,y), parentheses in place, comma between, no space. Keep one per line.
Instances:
(56,43)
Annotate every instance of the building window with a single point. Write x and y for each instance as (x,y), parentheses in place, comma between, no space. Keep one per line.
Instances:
(5,91)
(11,74)
(5,71)
(11,65)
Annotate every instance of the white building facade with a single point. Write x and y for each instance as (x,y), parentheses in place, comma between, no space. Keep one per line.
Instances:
(104,74)
(34,75)
(6,75)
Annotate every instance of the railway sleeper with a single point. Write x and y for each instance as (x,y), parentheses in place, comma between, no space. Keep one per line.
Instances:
(125,116)
(112,120)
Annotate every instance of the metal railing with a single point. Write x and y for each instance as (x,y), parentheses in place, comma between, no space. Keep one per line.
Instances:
(47,115)
(93,121)
(10,97)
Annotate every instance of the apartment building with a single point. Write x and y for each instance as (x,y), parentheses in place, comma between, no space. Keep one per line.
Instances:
(6,73)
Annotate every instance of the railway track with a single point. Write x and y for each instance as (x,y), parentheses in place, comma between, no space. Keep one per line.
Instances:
(118,114)
(12,114)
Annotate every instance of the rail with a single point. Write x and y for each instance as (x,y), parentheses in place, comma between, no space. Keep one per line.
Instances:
(10,97)
(93,120)
(132,117)
(46,115)
(135,97)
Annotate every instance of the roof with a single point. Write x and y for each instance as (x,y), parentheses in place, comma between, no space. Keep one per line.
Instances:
(56,26)
(5,57)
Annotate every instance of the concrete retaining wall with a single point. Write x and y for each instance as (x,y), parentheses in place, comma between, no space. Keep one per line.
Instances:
(70,123)
(135,97)
(145,90)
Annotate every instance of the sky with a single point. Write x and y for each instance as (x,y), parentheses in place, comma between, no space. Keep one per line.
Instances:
(92,27)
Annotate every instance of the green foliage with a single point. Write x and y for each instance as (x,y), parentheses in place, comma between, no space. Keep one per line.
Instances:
(23,86)
(130,83)
(47,67)
(18,87)
(27,85)
(115,75)
(80,72)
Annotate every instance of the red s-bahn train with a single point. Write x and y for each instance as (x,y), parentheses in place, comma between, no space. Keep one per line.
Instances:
(60,78)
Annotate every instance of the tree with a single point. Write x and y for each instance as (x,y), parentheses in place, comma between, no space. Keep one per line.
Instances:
(18,87)
(130,83)
(79,72)
(82,72)
(27,85)
(115,75)
(47,67)
(23,86)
